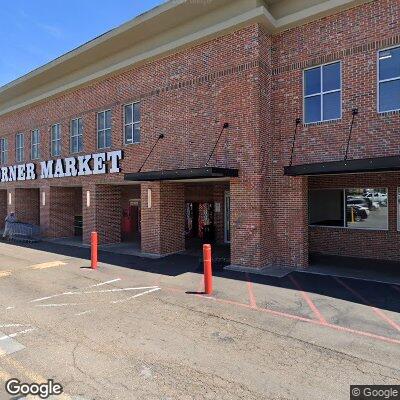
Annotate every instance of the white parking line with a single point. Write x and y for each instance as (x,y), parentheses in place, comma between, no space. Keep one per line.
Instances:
(13,335)
(85,312)
(103,283)
(136,295)
(59,305)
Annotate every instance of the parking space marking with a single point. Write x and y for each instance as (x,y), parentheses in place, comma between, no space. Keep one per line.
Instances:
(59,304)
(308,300)
(291,316)
(135,296)
(103,283)
(13,335)
(46,265)
(377,311)
(252,298)
(85,312)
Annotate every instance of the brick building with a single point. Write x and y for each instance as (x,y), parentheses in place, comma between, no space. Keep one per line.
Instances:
(270,125)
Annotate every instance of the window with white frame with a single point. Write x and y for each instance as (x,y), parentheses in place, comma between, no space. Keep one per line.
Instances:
(389,80)
(55,140)
(3,151)
(76,135)
(104,129)
(19,147)
(35,144)
(132,123)
(357,208)
(323,93)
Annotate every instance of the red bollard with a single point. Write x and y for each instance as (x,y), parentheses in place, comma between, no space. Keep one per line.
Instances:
(93,255)
(207,269)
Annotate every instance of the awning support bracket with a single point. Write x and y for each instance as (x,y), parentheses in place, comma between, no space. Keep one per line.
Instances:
(354,112)
(298,120)
(225,126)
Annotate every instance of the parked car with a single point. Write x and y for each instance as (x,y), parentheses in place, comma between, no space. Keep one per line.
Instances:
(359,213)
(360,203)
(378,197)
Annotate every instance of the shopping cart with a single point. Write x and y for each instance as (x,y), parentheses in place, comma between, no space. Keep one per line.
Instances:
(20,232)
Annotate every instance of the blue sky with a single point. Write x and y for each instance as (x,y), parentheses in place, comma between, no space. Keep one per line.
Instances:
(34,32)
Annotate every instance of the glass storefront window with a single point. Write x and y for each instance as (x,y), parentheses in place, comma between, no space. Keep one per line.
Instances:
(358,208)
(367,208)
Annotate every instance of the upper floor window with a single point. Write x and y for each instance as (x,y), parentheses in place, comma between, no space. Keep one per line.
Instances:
(55,140)
(104,129)
(76,139)
(389,80)
(35,144)
(3,151)
(132,123)
(19,147)
(322,93)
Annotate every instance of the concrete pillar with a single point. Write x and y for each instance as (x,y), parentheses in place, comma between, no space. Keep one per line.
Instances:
(102,213)
(163,218)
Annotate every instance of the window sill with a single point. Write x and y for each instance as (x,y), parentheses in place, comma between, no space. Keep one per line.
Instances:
(349,228)
(388,113)
(130,144)
(329,121)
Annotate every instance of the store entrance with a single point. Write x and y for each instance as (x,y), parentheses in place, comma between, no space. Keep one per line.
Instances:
(199,221)
(131,221)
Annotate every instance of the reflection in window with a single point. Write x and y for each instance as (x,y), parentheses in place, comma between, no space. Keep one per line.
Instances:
(358,208)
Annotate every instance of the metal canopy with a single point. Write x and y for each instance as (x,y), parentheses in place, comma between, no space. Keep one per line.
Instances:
(380,164)
(180,174)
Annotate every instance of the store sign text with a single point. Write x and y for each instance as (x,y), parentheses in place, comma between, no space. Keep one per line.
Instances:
(90,164)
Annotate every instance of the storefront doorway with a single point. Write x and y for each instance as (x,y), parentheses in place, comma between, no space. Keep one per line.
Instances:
(199,221)
(130,214)
(130,226)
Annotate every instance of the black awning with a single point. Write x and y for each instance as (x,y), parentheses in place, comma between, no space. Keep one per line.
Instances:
(180,174)
(380,164)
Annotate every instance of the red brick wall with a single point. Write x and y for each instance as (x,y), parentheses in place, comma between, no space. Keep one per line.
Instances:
(103,214)
(163,224)
(63,204)
(353,37)
(3,207)
(377,244)
(254,82)
(26,205)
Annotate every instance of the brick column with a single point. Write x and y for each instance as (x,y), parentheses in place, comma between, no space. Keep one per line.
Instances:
(26,205)
(103,213)
(247,245)
(57,215)
(45,211)
(163,221)
(10,204)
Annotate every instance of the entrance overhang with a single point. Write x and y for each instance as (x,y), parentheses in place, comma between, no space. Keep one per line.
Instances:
(213,173)
(379,164)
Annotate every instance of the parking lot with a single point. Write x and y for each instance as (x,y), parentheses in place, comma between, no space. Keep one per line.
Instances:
(141,329)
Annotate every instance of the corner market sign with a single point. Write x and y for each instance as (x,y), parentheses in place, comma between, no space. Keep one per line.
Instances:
(90,164)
